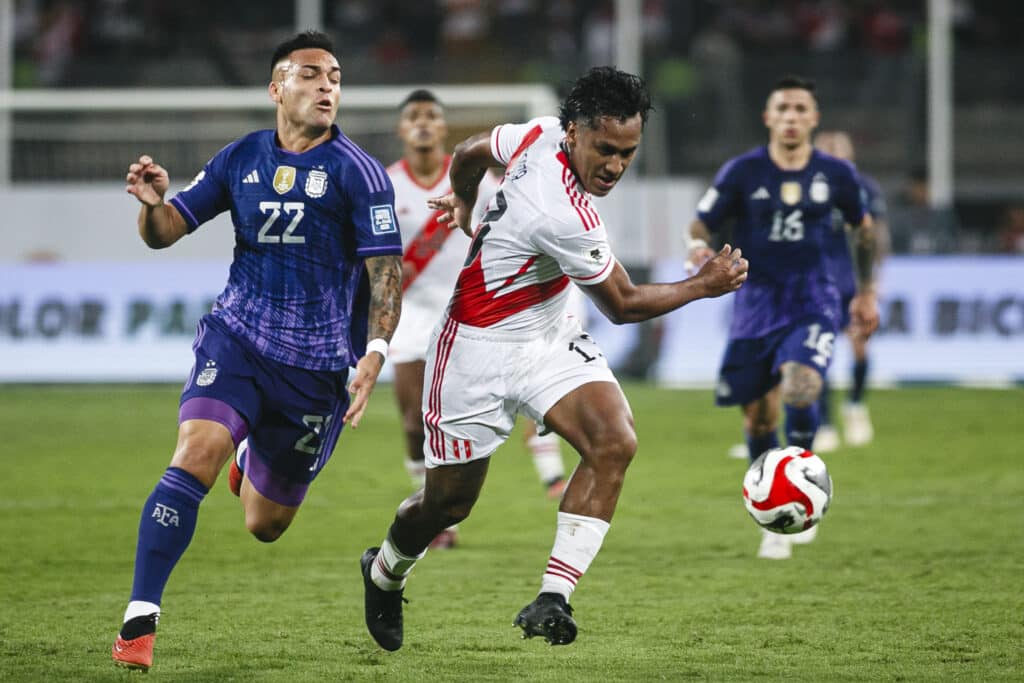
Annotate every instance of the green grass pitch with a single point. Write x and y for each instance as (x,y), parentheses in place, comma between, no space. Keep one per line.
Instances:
(917,574)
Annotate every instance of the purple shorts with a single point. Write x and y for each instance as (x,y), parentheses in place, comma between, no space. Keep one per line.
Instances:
(750,368)
(292,416)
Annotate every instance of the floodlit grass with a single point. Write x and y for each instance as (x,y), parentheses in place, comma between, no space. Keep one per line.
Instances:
(917,574)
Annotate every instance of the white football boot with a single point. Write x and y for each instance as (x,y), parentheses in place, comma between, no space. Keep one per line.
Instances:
(826,440)
(739,451)
(774,546)
(804,537)
(857,424)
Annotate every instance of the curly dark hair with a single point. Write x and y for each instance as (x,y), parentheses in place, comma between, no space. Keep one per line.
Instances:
(301,41)
(605,91)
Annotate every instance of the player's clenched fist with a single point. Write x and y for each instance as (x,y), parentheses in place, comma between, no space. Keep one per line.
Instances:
(148,181)
(725,273)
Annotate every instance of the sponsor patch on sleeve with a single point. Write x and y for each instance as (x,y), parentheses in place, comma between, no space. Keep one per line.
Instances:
(382,218)
(595,255)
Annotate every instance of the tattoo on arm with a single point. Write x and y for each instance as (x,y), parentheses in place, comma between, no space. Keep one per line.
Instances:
(865,249)
(385,295)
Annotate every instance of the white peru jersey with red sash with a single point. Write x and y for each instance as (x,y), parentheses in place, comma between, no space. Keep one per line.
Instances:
(540,230)
(433,254)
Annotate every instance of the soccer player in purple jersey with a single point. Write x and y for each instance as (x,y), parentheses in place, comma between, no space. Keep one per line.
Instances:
(316,272)
(780,197)
(857,427)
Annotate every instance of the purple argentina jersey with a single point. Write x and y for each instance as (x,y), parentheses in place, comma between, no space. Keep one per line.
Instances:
(783,220)
(304,223)
(837,250)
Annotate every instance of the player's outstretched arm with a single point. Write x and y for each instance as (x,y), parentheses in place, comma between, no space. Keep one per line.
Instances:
(160,225)
(470,160)
(624,302)
(385,307)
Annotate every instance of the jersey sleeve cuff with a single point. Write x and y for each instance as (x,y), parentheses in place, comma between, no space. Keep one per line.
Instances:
(186,213)
(385,250)
(596,278)
(495,148)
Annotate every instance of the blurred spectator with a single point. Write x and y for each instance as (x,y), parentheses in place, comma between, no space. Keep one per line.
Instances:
(391,47)
(761,25)
(57,42)
(822,26)
(915,227)
(517,22)
(599,30)
(355,23)
(885,38)
(559,20)
(719,64)
(599,34)
(464,28)
(1011,230)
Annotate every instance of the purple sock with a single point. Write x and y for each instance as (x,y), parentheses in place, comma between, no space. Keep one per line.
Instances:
(759,444)
(860,376)
(165,530)
(825,404)
(801,424)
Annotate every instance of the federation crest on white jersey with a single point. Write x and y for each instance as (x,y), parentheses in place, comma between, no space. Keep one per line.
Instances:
(787,490)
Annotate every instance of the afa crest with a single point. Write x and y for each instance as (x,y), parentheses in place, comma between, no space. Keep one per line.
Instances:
(819,189)
(284,179)
(790,193)
(316,184)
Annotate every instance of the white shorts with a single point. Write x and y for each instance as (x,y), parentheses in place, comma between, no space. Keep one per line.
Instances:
(412,336)
(478,380)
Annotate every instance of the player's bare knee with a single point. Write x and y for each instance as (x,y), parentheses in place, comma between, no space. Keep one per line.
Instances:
(451,508)
(612,452)
(201,456)
(266,530)
(801,385)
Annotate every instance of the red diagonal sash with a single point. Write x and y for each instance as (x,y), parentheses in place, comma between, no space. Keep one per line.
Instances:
(423,247)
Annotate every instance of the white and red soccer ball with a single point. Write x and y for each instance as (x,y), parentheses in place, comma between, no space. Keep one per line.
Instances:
(787,490)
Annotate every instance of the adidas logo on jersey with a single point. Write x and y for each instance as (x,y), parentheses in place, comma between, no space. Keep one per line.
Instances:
(253,177)
(761,193)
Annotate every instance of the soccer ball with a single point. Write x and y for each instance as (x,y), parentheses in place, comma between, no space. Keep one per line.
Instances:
(787,490)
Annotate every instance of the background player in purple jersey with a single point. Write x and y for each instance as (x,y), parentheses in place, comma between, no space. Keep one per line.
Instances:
(857,427)
(316,272)
(786,316)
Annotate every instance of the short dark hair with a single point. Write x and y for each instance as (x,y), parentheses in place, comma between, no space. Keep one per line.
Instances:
(605,91)
(420,95)
(302,41)
(794,83)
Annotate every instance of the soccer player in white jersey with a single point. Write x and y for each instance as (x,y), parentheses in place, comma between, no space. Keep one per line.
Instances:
(433,255)
(505,345)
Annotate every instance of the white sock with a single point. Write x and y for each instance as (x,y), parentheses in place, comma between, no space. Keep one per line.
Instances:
(140,608)
(547,456)
(577,541)
(417,470)
(392,567)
